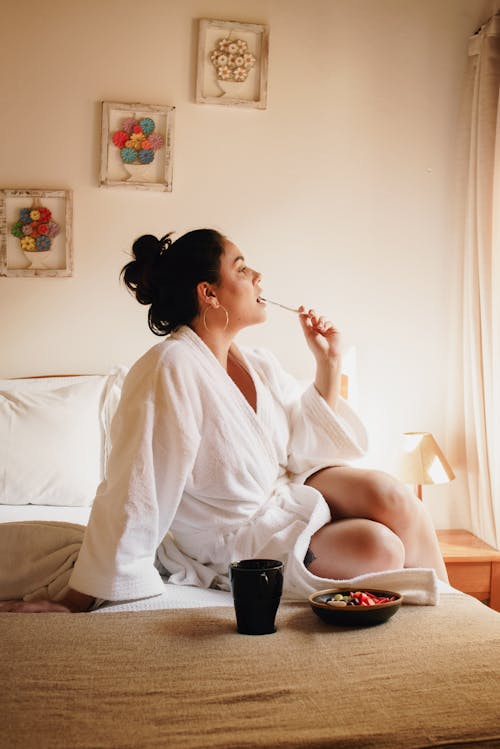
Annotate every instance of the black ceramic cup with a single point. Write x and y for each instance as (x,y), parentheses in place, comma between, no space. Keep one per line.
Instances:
(256,585)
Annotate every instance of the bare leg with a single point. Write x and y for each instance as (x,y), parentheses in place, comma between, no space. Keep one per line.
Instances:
(346,548)
(356,493)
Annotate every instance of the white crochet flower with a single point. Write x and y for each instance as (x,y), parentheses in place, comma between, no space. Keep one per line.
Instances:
(240,74)
(249,60)
(224,73)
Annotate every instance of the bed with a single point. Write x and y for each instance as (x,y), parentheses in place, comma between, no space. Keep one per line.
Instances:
(172,670)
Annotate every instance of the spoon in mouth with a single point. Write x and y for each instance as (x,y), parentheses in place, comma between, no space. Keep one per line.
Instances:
(263,300)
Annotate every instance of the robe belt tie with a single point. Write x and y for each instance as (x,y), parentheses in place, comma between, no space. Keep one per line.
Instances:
(277,500)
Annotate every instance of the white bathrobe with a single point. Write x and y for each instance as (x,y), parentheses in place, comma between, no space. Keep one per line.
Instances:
(197,479)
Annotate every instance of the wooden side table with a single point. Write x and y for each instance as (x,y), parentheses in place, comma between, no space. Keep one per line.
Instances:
(472,565)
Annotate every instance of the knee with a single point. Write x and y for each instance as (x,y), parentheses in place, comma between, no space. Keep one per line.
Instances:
(381,547)
(390,498)
(351,547)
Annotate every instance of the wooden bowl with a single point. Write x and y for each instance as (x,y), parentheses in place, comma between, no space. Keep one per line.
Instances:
(354,616)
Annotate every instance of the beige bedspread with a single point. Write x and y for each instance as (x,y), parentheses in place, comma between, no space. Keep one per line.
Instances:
(184,678)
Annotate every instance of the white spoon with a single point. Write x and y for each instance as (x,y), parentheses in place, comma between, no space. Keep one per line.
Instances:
(262,299)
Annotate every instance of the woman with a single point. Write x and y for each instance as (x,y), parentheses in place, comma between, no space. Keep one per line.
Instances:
(219,455)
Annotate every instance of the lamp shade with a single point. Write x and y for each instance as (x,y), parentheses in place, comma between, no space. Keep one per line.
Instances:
(422,461)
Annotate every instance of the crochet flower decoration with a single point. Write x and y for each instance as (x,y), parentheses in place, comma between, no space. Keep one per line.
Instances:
(35,229)
(232,60)
(137,140)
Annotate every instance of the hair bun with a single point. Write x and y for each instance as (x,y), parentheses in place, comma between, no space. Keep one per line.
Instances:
(146,249)
(139,273)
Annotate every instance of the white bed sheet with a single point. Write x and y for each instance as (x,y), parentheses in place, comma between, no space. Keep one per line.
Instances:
(189,597)
(173,597)
(17,513)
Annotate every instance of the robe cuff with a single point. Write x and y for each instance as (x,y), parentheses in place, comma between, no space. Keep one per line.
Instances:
(343,426)
(145,583)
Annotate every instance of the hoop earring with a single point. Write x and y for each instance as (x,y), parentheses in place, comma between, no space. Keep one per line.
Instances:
(205,317)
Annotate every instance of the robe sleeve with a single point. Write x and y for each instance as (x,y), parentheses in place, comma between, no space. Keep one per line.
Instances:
(318,436)
(155,438)
(321,437)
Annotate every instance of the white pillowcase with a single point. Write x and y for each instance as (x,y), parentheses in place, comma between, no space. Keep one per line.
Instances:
(54,437)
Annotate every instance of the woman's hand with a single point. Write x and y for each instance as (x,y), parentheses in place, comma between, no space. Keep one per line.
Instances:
(33,607)
(324,341)
(322,337)
(72,603)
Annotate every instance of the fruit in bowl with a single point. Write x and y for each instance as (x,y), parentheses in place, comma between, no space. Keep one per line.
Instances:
(344,607)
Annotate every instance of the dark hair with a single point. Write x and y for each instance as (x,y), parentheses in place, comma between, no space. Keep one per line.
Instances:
(164,274)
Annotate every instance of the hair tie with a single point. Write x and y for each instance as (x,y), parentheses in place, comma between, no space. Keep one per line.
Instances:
(165,243)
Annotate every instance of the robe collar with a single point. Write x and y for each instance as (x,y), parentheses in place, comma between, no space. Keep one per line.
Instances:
(193,339)
(259,418)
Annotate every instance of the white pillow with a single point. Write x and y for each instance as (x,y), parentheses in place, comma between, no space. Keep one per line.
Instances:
(54,437)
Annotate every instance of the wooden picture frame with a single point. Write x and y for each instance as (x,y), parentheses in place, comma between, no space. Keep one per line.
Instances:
(232,63)
(140,155)
(36,233)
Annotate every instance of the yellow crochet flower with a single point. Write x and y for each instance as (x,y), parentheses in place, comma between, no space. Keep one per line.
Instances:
(35,215)
(28,243)
(135,144)
(137,137)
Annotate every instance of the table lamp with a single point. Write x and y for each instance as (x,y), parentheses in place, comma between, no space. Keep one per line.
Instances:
(423,462)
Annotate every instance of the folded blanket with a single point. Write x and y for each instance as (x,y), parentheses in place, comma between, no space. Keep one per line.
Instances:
(37,558)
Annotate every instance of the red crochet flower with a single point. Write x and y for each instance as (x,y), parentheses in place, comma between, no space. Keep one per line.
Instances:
(45,215)
(137,129)
(120,138)
(43,229)
(34,229)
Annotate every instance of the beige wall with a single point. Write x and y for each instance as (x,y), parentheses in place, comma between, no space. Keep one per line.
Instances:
(340,192)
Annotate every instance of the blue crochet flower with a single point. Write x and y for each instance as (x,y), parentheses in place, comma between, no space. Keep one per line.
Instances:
(147,125)
(128,155)
(25,215)
(42,243)
(146,155)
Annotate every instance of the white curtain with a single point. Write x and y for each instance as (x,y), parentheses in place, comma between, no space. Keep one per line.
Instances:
(481,280)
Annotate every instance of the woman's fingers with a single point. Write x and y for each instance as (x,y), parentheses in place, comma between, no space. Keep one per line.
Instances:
(317,323)
(32,607)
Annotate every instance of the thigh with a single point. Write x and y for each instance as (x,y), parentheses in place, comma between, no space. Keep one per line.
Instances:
(360,492)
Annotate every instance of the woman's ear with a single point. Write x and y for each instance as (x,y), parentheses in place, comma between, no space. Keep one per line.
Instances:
(206,294)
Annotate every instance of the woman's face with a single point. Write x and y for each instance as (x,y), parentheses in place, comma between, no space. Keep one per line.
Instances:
(239,288)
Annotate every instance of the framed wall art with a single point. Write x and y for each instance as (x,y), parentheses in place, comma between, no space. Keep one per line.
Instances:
(232,63)
(137,146)
(36,233)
